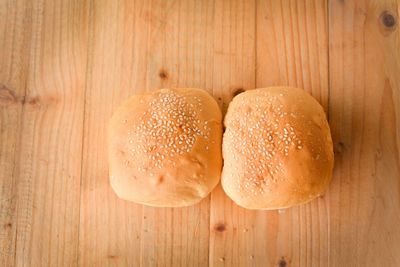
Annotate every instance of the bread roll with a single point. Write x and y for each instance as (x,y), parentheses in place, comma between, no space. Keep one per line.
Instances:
(165,147)
(277,149)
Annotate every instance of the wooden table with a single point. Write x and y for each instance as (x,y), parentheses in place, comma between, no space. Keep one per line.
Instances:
(66,65)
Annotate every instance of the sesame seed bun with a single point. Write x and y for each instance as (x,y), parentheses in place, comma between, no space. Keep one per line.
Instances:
(165,147)
(277,149)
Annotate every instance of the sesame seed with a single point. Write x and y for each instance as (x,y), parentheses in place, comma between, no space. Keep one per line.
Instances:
(266,140)
(172,123)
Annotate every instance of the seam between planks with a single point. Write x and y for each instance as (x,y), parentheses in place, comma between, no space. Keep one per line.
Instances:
(328,2)
(255,44)
(219,104)
(328,111)
(87,71)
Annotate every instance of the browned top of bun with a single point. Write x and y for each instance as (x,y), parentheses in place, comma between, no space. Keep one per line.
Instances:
(164,147)
(277,148)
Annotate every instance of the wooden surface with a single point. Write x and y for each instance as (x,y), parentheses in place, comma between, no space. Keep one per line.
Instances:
(66,65)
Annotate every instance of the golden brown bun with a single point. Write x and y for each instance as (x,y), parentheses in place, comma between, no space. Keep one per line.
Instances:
(165,147)
(277,149)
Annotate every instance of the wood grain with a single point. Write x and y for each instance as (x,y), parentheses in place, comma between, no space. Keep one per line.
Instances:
(291,49)
(151,45)
(45,88)
(364,114)
(14,51)
(179,54)
(65,65)
(233,72)
(110,229)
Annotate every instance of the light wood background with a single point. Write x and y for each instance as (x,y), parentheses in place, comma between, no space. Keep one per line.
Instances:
(66,65)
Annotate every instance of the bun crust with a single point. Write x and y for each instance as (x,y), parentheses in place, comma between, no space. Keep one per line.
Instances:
(277,149)
(165,147)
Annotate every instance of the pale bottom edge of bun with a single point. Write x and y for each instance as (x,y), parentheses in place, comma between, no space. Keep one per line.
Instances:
(182,203)
(281,207)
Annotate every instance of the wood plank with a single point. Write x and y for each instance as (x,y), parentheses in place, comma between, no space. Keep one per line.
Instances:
(110,229)
(48,162)
(292,49)
(365,120)
(161,53)
(234,71)
(148,45)
(179,54)
(14,54)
